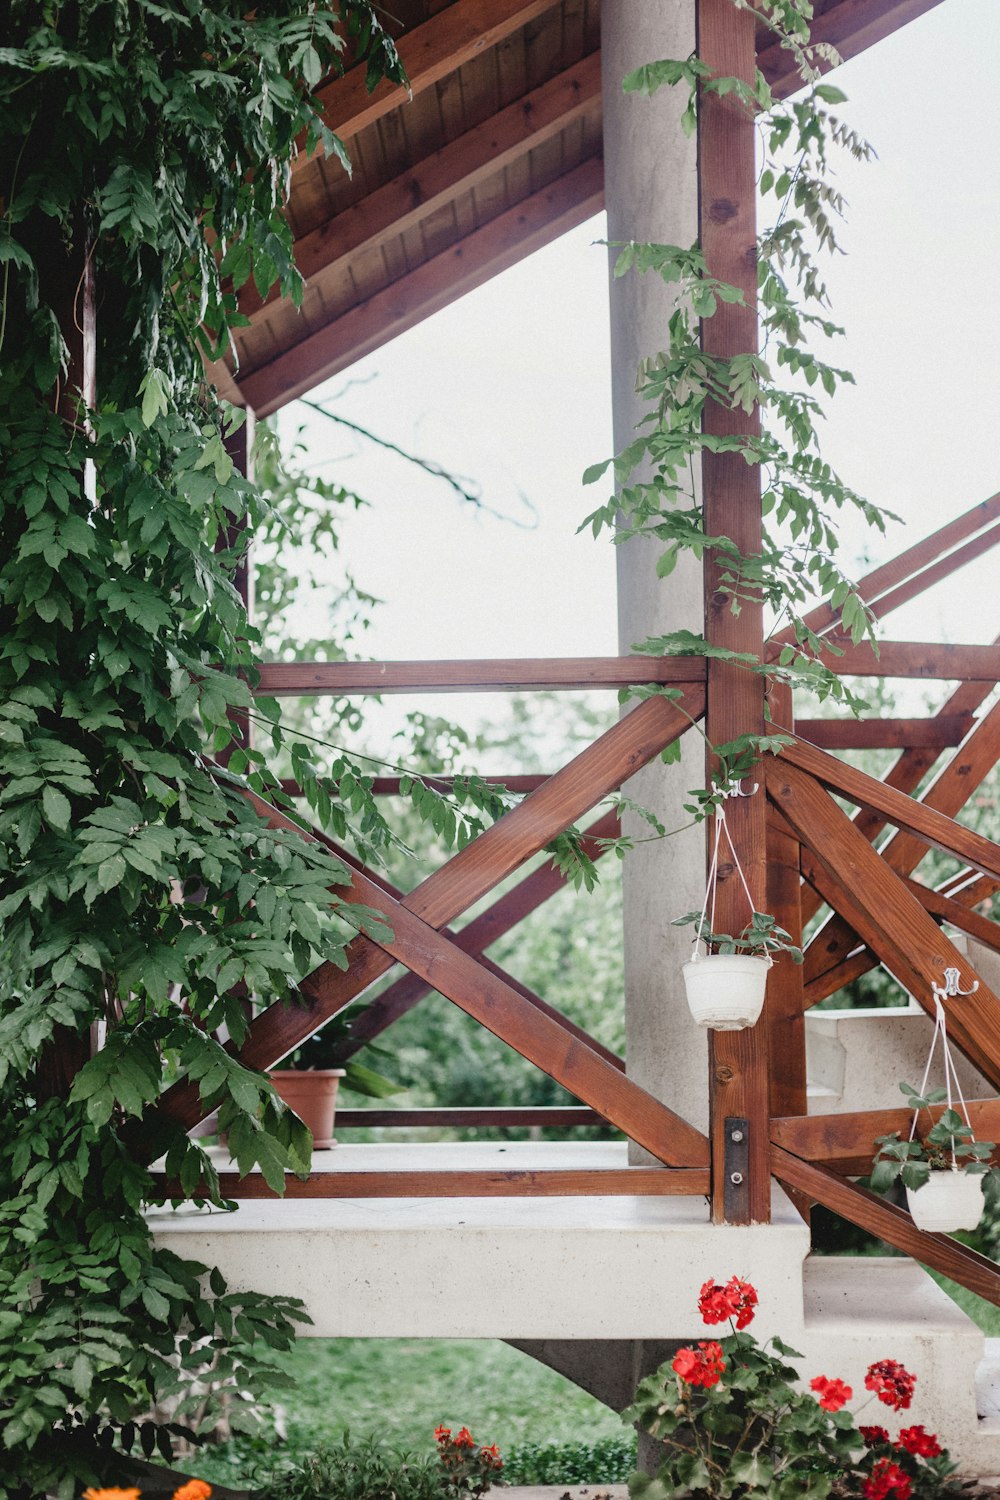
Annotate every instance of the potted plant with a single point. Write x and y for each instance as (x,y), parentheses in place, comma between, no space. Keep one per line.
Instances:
(725,985)
(307,1080)
(943,1172)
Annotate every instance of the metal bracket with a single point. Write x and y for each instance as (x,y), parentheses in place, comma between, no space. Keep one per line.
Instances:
(736,1189)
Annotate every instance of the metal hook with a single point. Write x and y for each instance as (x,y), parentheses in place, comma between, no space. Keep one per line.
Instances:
(735,789)
(951,985)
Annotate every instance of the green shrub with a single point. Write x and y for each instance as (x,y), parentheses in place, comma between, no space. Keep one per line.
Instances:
(347,1470)
(609,1460)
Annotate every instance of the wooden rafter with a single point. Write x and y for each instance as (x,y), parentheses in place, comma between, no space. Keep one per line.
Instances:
(505,240)
(851,26)
(459,166)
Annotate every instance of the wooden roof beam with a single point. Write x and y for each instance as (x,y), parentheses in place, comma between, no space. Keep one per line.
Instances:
(456,168)
(505,240)
(429,53)
(851,26)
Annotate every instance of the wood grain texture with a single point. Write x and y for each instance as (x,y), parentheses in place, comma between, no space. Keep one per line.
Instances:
(738,1060)
(887,916)
(342,678)
(920,659)
(861,1207)
(600,768)
(434,180)
(784,1005)
(938,732)
(846,1142)
(296,367)
(427,1183)
(849,25)
(484,1117)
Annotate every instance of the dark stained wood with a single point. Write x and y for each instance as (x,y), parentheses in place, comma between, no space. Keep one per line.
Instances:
(944,568)
(887,916)
(784,1007)
(921,659)
(486,1117)
(908,772)
(308,679)
(930,826)
(881,581)
(428,1183)
(861,1207)
(474,938)
(937,733)
(948,794)
(738,1060)
(428,52)
(978,927)
(849,25)
(846,1142)
(459,166)
(309,359)
(570,793)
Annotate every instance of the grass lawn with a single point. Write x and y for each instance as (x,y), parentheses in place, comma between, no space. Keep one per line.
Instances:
(401,1389)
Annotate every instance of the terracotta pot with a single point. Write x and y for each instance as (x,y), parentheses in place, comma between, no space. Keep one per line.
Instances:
(947,1201)
(726,990)
(313,1097)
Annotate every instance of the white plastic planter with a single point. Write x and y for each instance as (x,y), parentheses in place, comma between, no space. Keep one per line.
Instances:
(726,990)
(947,1201)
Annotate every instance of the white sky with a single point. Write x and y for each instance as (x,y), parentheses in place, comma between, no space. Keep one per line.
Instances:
(511,385)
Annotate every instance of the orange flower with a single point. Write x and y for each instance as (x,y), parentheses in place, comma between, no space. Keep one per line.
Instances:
(195,1489)
(111,1494)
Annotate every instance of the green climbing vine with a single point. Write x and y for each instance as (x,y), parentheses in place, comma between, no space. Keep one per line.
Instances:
(656,490)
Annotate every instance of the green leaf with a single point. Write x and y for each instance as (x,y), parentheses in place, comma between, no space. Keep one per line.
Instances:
(56,808)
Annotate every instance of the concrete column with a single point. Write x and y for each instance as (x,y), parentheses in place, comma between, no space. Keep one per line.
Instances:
(652,195)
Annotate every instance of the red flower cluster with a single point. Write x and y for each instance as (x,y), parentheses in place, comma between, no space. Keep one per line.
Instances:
(891,1383)
(737,1299)
(701,1366)
(467,1465)
(873,1436)
(887,1478)
(831,1394)
(491,1457)
(918,1441)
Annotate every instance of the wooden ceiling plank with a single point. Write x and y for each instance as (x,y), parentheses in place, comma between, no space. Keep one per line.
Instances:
(536,221)
(429,53)
(460,165)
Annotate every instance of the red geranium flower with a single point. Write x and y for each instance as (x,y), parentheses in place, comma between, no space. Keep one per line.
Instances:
(886,1477)
(891,1383)
(465,1439)
(873,1436)
(737,1299)
(491,1457)
(831,1394)
(442,1434)
(918,1441)
(701,1366)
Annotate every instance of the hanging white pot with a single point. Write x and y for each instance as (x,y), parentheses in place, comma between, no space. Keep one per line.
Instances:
(726,990)
(948,1200)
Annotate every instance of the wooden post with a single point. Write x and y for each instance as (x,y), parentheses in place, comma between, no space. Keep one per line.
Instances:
(738,1061)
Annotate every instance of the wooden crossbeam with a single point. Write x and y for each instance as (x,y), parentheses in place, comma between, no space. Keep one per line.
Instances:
(480,1117)
(903,853)
(427,1182)
(846,1143)
(981,928)
(886,915)
(549,674)
(478,935)
(937,732)
(943,568)
(543,1041)
(429,53)
(921,659)
(475,870)
(888,1223)
(458,167)
(908,772)
(930,826)
(880,583)
(507,239)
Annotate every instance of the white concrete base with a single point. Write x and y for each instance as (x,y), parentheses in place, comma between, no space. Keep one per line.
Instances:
(597,1268)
